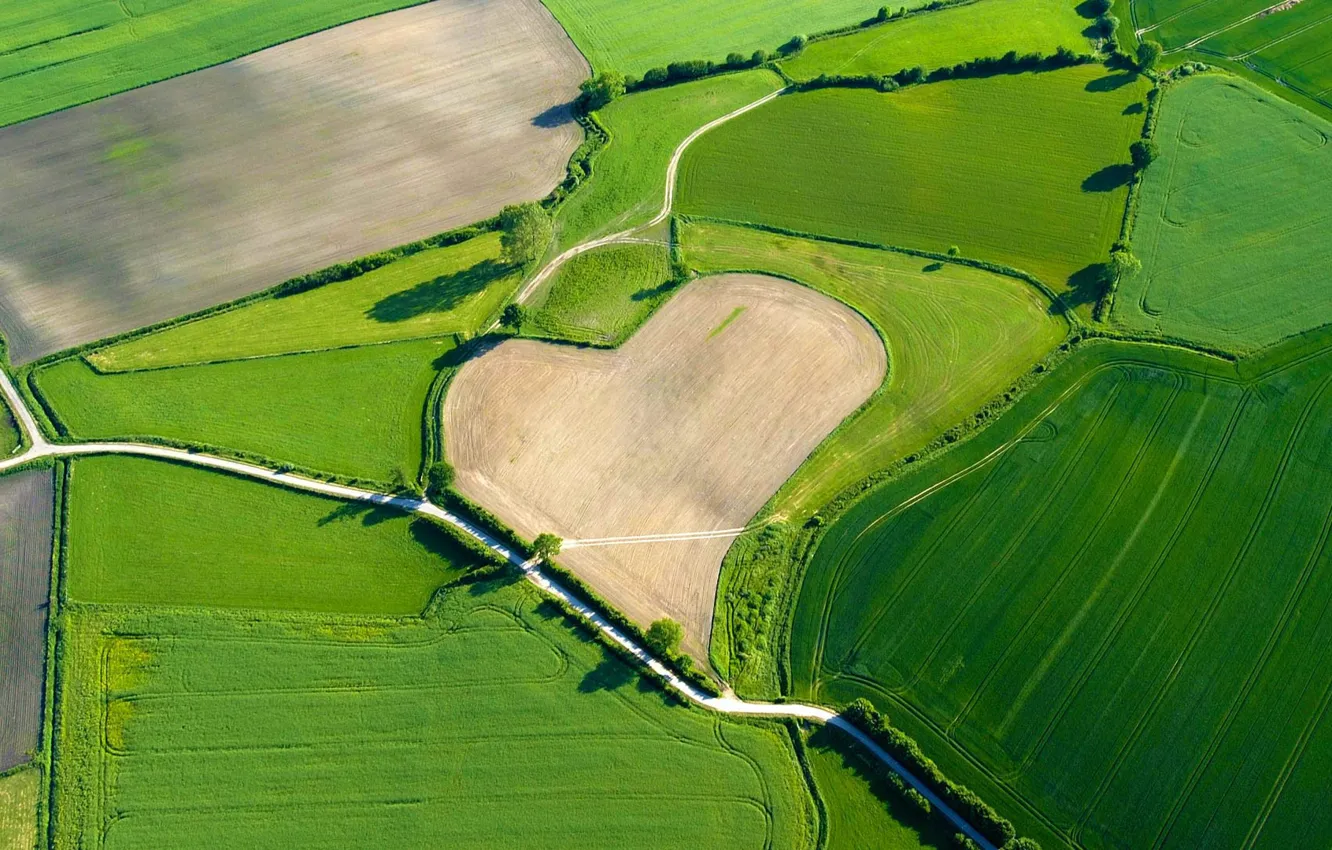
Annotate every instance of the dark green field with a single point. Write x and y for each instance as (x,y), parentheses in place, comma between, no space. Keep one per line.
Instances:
(1108,613)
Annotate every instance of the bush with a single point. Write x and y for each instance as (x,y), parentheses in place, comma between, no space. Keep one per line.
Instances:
(546,546)
(1144,152)
(690,70)
(439,478)
(735,60)
(514,316)
(794,46)
(663,637)
(758,58)
(1149,53)
(601,90)
(961,842)
(1106,26)
(883,14)
(654,77)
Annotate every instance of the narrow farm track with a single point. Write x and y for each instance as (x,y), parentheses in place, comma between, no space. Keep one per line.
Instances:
(40,448)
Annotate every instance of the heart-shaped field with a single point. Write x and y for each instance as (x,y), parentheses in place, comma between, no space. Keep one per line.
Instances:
(689,427)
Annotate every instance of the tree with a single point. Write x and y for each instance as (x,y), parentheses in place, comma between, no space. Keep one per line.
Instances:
(601,89)
(1106,26)
(546,546)
(439,478)
(1144,152)
(664,636)
(883,14)
(758,58)
(514,316)
(1149,53)
(954,251)
(525,231)
(1123,263)
(794,46)
(735,60)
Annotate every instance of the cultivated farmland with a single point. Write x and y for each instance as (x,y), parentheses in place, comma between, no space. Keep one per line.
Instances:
(602,296)
(629,177)
(18,810)
(487,724)
(1235,223)
(150,532)
(689,427)
(960,163)
(458,289)
(26,500)
(355,412)
(946,37)
(196,190)
(635,37)
(1106,613)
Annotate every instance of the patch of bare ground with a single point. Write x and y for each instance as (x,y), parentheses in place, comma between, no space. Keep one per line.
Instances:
(197,190)
(26,514)
(688,427)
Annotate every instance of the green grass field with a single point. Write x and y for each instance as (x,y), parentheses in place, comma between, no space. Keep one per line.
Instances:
(946,37)
(1029,171)
(632,38)
(629,176)
(10,438)
(18,810)
(150,532)
(458,289)
(355,412)
(1235,223)
(956,337)
(864,810)
(60,53)
(488,724)
(602,296)
(1290,45)
(1110,608)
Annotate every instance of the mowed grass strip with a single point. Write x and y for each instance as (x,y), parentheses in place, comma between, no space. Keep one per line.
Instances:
(18,809)
(1029,171)
(1235,223)
(1117,621)
(491,724)
(956,337)
(150,532)
(57,54)
(628,179)
(355,412)
(10,437)
(602,296)
(633,37)
(946,37)
(457,289)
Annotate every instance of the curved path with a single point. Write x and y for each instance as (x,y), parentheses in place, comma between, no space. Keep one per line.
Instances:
(40,448)
(672,168)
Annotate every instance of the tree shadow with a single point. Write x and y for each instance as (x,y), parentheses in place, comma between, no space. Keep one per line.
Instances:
(469,350)
(651,292)
(1134,109)
(1085,286)
(933,267)
(1110,82)
(434,539)
(610,675)
(370,513)
(1109,179)
(830,740)
(556,116)
(438,295)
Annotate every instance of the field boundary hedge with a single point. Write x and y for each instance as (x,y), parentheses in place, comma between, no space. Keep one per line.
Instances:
(980,68)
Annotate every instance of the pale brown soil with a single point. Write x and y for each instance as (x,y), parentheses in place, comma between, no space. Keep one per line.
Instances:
(26,512)
(197,190)
(683,429)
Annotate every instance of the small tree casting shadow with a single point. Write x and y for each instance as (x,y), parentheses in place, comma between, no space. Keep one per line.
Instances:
(1108,179)
(439,295)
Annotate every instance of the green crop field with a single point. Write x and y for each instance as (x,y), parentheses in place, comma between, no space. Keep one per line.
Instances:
(1106,613)
(956,337)
(458,289)
(146,531)
(962,163)
(629,177)
(946,37)
(59,53)
(1235,223)
(18,809)
(1288,45)
(864,810)
(633,37)
(487,724)
(10,438)
(602,296)
(355,412)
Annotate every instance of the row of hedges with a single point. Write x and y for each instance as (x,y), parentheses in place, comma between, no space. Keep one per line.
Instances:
(1010,63)
(963,800)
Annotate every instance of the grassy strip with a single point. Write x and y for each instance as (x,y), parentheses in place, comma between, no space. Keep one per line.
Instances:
(601,297)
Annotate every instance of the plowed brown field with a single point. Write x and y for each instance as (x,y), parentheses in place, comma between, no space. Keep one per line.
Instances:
(194,191)
(689,427)
(25,572)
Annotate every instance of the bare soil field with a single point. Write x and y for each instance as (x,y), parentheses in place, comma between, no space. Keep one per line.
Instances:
(199,189)
(25,573)
(688,427)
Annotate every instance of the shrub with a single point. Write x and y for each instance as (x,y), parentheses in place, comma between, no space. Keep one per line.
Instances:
(794,46)
(654,77)
(689,70)
(601,90)
(1149,53)
(1144,152)
(546,546)
(954,251)
(440,477)
(663,637)
(525,231)
(514,316)
(1106,26)
(961,842)
(758,58)
(735,60)
(883,14)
